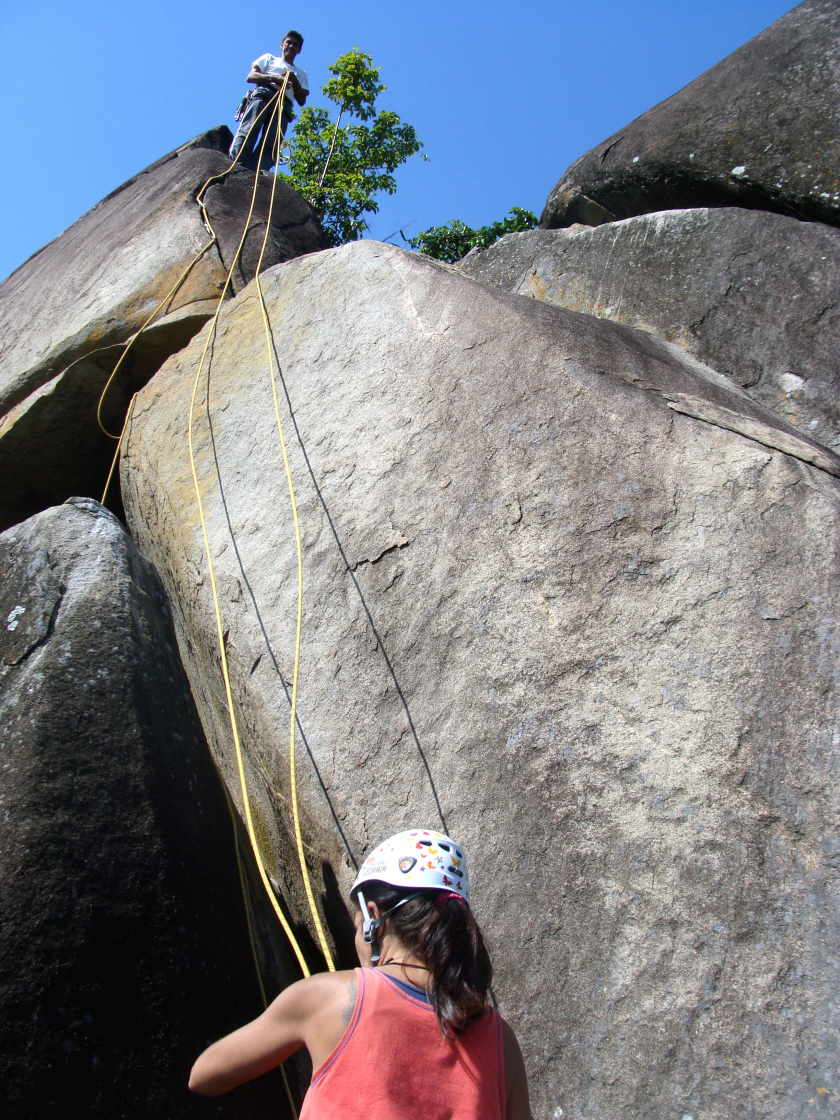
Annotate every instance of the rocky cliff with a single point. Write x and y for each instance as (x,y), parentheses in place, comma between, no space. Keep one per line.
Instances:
(759,130)
(569,592)
(565,592)
(124,943)
(754,295)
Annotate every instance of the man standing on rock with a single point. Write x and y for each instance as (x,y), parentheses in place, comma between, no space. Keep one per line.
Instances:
(267,74)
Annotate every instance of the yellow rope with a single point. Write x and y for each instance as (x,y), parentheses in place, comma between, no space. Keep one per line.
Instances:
(171,293)
(225,673)
(219,628)
(119,445)
(293,774)
(231,713)
(293,715)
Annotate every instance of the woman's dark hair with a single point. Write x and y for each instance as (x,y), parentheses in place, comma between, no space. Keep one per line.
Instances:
(444,936)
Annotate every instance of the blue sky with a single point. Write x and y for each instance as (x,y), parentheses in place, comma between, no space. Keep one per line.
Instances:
(504,96)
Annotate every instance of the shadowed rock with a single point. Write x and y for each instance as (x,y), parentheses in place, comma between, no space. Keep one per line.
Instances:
(760,130)
(80,298)
(562,593)
(123,941)
(50,443)
(754,295)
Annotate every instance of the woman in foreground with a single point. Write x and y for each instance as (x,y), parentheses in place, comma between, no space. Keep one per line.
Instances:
(409,1034)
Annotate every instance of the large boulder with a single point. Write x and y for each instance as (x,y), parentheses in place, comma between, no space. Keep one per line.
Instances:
(754,295)
(67,312)
(759,130)
(124,946)
(563,593)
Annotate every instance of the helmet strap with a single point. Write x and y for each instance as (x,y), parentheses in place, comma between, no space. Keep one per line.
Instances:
(371,925)
(369,928)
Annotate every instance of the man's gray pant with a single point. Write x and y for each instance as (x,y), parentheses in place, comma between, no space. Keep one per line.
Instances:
(260,114)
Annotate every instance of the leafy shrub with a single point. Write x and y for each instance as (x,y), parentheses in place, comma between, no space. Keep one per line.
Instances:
(454,240)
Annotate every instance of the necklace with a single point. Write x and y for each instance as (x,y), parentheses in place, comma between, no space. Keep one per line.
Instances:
(405,964)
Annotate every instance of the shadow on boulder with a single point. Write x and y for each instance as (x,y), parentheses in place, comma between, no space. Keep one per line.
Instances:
(124,947)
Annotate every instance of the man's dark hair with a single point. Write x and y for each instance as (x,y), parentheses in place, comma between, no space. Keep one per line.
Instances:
(294,35)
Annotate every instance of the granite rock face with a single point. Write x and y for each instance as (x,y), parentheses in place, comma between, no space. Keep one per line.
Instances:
(754,295)
(564,592)
(760,130)
(123,940)
(67,311)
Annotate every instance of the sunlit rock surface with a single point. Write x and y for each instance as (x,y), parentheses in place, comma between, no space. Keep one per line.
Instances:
(67,311)
(754,295)
(565,590)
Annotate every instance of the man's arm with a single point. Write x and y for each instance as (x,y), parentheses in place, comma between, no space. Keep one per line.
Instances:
(300,93)
(256,76)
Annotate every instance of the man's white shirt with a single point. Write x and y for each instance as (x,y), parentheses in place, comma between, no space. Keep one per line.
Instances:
(273,66)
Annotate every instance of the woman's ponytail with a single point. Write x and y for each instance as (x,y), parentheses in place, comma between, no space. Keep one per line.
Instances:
(439,928)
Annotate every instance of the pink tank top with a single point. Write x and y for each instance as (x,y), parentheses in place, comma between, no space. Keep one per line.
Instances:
(393,1063)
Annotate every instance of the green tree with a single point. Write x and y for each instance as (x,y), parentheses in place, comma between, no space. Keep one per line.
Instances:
(454,240)
(359,158)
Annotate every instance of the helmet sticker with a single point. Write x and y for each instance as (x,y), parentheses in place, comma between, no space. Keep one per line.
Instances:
(406,864)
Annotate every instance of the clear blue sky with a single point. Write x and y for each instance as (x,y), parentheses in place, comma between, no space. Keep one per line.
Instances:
(504,97)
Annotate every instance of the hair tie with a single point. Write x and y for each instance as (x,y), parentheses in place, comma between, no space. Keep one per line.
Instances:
(445,896)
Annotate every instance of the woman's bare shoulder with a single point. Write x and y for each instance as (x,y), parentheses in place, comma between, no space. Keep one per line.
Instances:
(323,987)
(317,1002)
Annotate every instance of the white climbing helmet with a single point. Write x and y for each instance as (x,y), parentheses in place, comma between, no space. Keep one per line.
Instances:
(420,859)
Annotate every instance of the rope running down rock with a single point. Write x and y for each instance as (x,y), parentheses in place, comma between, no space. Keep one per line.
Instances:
(277,103)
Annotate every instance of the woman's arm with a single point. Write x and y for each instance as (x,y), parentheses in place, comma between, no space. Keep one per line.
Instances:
(252,1050)
(298,1017)
(517,1104)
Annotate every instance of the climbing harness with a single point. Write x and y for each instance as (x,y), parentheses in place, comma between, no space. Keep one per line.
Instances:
(242,107)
